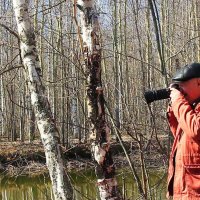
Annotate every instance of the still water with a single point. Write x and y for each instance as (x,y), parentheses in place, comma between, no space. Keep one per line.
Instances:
(39,188)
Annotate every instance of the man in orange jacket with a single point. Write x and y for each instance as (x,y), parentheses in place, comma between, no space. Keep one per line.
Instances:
(184,120)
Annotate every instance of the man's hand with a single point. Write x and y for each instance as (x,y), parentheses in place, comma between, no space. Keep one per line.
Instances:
(175,93)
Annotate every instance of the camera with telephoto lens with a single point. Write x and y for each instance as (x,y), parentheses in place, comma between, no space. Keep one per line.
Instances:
(155,95)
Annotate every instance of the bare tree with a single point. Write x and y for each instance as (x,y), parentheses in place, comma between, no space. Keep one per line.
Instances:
(98,127)
(49,133)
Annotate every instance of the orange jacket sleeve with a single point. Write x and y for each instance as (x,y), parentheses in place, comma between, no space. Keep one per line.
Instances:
(173,123)
(188,119)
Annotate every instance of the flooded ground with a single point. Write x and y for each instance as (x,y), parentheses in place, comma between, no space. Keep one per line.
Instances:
(39,187)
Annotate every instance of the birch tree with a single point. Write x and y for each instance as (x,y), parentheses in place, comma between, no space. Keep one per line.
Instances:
(49,133)
(117,62)
(98,127)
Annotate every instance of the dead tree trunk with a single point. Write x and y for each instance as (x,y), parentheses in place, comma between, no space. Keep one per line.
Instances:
(98,127)
(49,134)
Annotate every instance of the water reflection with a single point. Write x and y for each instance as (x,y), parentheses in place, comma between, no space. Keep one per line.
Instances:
(26,188)
(39,188)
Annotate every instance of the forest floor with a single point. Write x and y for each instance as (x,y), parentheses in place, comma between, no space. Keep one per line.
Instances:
(17,158)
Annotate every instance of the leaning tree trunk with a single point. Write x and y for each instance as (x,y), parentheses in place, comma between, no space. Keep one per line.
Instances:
(62,188)
(98,127)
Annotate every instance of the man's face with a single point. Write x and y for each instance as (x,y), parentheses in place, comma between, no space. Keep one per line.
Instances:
(191,89)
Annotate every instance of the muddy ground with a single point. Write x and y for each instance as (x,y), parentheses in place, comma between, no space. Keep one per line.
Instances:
(17,158)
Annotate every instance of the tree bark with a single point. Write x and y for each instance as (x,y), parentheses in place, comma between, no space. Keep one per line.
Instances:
(98,127)
(49,133)
(2,105)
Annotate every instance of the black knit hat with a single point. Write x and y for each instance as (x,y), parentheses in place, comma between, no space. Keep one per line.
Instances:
(187,72)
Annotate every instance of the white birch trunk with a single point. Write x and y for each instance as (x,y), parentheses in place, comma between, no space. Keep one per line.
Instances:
(99,130)
(49,134)
(31,120)
(117,64)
